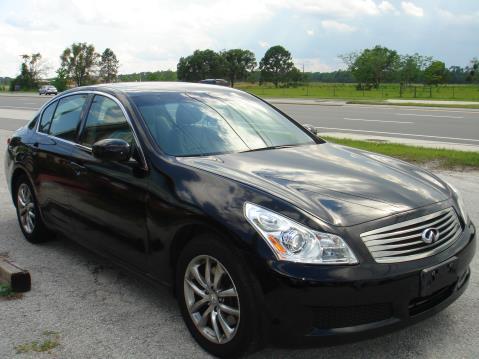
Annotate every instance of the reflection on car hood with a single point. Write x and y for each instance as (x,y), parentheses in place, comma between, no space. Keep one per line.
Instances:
(340,185)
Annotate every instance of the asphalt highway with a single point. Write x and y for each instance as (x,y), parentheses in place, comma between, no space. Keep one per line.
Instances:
(460,126)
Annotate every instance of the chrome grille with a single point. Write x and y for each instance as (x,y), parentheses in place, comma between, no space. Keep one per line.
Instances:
(402,241)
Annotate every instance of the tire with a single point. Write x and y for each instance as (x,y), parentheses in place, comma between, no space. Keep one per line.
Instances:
(28,214)
(245,322)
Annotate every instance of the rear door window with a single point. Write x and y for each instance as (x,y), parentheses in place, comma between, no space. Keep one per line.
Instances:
(67,117)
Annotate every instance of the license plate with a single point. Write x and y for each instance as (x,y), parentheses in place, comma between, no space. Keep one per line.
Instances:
(438,277)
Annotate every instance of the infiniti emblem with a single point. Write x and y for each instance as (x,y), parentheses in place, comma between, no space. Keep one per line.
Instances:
(430,235)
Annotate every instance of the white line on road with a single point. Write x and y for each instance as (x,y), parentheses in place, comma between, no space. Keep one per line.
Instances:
(399,133)
(415,114)
(416,108)
(362,119)
(18,108)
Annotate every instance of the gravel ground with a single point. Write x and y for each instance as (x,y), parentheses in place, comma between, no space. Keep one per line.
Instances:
(99,311)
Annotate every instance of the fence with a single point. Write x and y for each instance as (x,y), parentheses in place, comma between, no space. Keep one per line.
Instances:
(446,92)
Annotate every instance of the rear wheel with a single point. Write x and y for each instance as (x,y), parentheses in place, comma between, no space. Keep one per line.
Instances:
(217,297)
(28,214)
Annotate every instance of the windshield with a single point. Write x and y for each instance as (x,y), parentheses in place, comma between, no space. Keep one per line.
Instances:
(195,124)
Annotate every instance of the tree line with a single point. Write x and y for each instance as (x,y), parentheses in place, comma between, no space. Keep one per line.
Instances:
(276,66)
(371,67)
(368,68)
(80,65)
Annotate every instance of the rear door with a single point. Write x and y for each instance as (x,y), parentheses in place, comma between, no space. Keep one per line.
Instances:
(109,200)
(52,147)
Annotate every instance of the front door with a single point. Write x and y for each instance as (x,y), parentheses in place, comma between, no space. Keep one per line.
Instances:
(109,199)
(52,146)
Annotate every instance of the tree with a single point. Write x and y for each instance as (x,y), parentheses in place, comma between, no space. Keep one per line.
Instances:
(238,64)
(79,61)
(372,66)
(457,75)
(411,67)
(435,73)
(61,81)
(31,71)
(109,66)
(473,71)
(295,76)
(275,65)
(200,65)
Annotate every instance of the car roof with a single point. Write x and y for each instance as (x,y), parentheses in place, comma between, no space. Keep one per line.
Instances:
(154,86)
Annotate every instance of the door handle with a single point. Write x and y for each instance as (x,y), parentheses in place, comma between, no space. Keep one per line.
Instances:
(77,168)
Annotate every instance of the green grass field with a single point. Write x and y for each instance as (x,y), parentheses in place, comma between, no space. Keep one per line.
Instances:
(437,158)
(348,91)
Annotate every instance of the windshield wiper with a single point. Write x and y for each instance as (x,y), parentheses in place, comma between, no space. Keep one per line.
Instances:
(269,148)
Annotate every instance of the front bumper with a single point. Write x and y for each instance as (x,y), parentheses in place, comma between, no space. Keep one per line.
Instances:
(357,302)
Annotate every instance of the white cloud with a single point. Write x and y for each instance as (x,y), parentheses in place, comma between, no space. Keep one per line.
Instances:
(337,26)
(263,44)
(313,64)
(387,7)
(343,8)
(310,32)
(410,9)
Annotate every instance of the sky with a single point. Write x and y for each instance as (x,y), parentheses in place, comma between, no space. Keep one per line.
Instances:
(150,35)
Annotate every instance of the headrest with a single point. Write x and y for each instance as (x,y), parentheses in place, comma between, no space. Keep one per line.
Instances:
(188,114)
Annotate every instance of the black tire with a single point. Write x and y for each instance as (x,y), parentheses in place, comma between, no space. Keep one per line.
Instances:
(39,233)
(247,337)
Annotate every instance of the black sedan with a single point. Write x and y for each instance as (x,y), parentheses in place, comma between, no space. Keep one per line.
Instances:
(266,233)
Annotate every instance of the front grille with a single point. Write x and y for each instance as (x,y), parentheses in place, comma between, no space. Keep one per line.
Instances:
(402,241)
(342,317)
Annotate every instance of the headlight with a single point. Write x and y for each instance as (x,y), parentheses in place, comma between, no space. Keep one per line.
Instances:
(460,203)
(291,241)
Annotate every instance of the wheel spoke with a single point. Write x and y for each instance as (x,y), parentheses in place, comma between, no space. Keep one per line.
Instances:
(204,316)
(208,271)
(196,273)
(195,288)
(217,276)
(29,223)
(228,293)
(214,322)
(226,328)
(229,310)
(194,308)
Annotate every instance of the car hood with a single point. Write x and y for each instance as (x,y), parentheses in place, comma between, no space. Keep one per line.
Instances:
(340,185)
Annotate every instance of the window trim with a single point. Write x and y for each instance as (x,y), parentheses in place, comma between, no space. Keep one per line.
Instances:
(83,121)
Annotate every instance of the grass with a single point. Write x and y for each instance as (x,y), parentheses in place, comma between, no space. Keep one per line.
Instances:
(5,290)
(7,293)
(46,345)
(348,91)
(438,158)
(451,105)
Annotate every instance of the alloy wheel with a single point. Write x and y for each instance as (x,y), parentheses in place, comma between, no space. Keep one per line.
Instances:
(212,299)
(26,208)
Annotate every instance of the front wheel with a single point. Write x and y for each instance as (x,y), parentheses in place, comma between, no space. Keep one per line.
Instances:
(217,298)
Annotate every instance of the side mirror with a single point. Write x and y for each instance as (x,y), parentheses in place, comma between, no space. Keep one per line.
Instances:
(112,150)
(311,129)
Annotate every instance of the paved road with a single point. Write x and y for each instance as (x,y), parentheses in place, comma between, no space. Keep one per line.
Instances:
(459,126)
(443,125)
(99,311)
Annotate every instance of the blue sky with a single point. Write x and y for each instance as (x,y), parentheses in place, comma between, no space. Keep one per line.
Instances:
(150,35)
